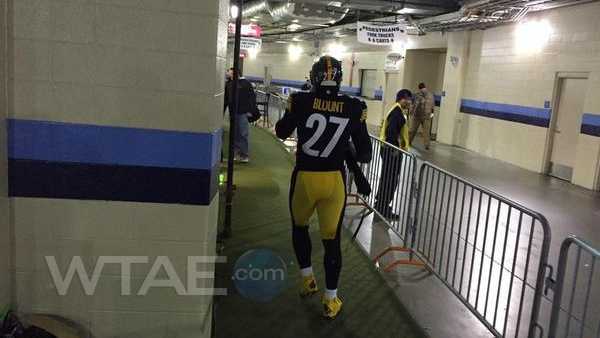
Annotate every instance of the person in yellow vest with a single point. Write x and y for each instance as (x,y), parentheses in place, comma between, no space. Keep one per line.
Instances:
(394,131)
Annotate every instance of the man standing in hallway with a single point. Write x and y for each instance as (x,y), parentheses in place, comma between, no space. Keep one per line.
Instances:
(325,121)
(393,131)
(422,114)
(247,105)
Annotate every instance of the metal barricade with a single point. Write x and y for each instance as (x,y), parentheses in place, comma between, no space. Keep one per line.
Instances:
(277,105)
(488,250)
(262,102)
(575,311)
(391,174)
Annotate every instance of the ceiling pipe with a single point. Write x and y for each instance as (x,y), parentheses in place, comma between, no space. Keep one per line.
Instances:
(254,8)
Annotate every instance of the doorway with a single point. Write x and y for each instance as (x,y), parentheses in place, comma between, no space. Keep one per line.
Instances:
(427,66)
(566,125)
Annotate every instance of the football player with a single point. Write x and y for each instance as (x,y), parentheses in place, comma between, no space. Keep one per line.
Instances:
(325,121)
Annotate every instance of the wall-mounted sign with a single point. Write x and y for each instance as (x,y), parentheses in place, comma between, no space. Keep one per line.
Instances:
(250,43)
(393,62)
(252,30)
(381,35)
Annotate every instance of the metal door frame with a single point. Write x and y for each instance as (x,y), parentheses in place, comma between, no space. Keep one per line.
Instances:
(559,78)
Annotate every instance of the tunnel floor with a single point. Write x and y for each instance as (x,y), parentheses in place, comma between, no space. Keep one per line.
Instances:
(261,220)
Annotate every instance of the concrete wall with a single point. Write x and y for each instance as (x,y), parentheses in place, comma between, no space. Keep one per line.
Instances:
(500,71)
(125,68)
(424,66)
(492,68)
(6,271)
(283,67)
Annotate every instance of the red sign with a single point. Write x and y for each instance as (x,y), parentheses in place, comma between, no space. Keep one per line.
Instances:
(252,29)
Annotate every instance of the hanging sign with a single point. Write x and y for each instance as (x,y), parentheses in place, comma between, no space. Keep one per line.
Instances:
(393,62)
(380,35)
(252,30)
(250,43)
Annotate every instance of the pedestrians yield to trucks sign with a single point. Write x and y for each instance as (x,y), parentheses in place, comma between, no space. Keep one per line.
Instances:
(250,43)
(381,35)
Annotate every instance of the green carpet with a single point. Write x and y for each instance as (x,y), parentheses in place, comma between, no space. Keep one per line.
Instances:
(261,220)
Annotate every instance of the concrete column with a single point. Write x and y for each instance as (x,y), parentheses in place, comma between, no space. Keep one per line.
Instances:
(114,138)
(393,83)
(454,79)
(6,271)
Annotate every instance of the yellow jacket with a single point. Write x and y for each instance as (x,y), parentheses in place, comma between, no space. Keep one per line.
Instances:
(402,136)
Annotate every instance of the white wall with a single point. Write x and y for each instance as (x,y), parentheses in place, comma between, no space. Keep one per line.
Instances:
(500,72)
(149,64)
(276,57)
(490,67)
(424,66)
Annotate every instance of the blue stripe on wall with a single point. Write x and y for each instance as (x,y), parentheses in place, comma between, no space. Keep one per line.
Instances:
(590,124)
(93,144)
(43,179)
(355,91)
(521,114)
(438,100)
(77,161)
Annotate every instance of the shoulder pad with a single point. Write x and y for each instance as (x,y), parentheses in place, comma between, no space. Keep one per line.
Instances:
(363,107)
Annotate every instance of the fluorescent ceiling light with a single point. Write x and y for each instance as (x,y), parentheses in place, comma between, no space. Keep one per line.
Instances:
(294,27)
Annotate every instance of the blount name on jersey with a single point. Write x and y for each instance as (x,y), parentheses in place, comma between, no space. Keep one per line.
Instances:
(328,106)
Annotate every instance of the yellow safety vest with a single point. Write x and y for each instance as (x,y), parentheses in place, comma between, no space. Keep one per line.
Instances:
(404,138)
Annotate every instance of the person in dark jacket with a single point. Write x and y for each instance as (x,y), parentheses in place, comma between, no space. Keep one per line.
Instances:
(394,131)
(247,105)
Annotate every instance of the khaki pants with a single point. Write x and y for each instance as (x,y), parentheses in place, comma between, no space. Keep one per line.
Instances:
(416,122)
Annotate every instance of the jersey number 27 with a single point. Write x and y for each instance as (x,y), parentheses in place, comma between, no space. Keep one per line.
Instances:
(321,125)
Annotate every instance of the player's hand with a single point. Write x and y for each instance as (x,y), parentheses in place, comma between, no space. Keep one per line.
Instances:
(362,185)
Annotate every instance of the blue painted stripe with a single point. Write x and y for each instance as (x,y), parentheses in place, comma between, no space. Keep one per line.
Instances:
(514,113)
(43,179)
(591,119)
(93,144)
(355,91)
(590,124)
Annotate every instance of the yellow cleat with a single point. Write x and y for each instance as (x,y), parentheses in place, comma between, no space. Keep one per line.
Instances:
(308,287)
(331,307)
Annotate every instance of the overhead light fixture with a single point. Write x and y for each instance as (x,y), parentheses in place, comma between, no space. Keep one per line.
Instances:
(295,52)
(295,21)
(532,36)
(337,50)
(234,11)
(406,11)
(253,52)
(294,27)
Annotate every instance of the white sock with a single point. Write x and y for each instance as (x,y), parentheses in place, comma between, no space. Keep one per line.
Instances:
(306,272)
(330,294)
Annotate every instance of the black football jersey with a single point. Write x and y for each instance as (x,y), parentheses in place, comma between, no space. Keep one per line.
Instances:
(325,125)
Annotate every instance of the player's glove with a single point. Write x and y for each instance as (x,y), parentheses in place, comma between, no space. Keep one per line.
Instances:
(362,185)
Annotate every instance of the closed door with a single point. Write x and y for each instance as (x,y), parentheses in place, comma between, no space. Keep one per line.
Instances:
(567,127)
